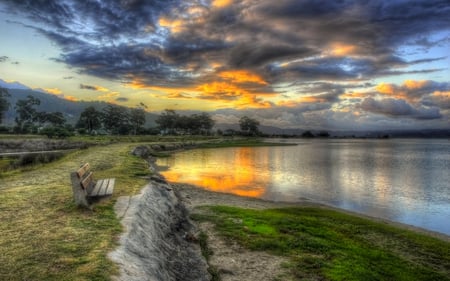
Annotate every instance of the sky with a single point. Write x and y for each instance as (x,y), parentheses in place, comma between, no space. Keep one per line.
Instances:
(320,65)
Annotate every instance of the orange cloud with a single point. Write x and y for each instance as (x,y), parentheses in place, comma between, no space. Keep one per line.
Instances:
(342,49)
(101,89)
(414,85)
(411,90)
(228,90)
(240,97)
(173,25)
(221,90)
(71,98)
(441,94)
(385,88)
(221,3)
(242,76)
(53,91)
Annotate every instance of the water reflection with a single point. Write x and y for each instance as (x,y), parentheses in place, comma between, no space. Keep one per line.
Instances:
(232,172)
(401,180)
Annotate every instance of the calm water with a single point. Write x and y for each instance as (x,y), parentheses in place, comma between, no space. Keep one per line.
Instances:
(401,180)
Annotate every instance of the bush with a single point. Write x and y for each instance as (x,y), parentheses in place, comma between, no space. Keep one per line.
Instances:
(36,158)
(58,132)
(4,129)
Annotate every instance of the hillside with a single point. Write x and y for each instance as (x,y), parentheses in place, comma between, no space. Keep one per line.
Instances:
(52,103)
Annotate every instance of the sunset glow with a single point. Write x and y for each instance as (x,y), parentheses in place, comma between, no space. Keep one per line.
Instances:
(242,180)
(326,65)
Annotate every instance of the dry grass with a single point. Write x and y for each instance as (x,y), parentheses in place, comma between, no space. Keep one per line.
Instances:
(44,236)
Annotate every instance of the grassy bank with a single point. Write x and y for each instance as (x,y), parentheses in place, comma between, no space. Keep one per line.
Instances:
(328,245)
(44,236)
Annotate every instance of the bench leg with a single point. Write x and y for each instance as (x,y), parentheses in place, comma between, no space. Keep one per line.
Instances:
(79,194)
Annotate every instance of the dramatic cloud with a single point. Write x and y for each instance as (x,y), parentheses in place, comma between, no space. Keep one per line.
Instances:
(395,107)
(302,61)
(411,89)
(156,40)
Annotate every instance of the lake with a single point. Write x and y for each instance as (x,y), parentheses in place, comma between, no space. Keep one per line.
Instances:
(403,180)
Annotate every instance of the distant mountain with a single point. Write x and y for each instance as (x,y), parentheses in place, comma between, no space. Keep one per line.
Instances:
(52,103)
(13,85)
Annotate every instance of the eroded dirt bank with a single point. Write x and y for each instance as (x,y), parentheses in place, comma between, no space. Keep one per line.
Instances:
(157,242)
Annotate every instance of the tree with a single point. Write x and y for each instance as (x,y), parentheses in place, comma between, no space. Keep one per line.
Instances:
(137,117)
(55,119)
(26,113)
(90,119)
(201,123)
(249,125)
(4,103)
(168,120)
(307,134)
(116,119)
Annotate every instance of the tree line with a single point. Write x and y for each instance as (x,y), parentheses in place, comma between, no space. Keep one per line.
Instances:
(112,119)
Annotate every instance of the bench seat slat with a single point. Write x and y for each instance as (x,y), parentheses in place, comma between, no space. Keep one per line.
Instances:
(103,187)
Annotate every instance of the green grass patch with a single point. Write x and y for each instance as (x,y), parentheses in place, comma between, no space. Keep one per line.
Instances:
(324,244)
(44,236)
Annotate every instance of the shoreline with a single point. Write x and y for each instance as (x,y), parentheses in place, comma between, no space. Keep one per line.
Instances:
(195,196)
(303,201)
(161,241)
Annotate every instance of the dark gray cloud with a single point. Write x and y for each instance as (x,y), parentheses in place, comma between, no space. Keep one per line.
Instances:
(122,99)
(254,55)
(282,41)
(89,87)
(399,108)
(4,58)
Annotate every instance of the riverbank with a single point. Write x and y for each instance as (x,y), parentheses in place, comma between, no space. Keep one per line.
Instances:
(234,260)
(147,247)
(46,237)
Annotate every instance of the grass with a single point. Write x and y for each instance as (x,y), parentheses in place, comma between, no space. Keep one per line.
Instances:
(324,244)
(207,253)
(44,236)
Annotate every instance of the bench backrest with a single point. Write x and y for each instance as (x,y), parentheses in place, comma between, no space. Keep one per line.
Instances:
(87,180)
(86,177)
(83,170)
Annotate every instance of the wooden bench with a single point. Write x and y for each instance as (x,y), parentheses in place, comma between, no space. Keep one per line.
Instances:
(86,190)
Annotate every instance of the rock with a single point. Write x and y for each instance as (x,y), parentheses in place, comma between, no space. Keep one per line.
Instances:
(141,151)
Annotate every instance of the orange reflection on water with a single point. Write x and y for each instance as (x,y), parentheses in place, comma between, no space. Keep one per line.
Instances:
(234,175)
